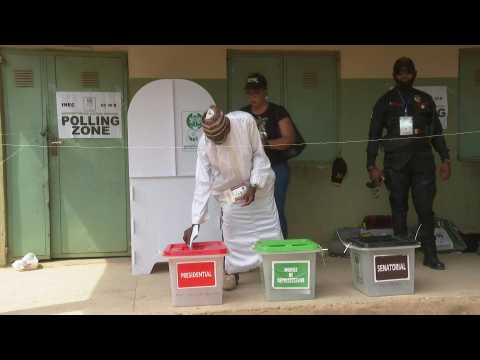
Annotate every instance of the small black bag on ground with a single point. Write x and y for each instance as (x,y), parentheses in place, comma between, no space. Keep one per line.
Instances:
(472,241)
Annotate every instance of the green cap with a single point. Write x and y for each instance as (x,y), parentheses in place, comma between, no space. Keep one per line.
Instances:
(286,246)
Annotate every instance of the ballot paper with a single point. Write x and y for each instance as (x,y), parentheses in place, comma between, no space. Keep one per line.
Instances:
(235,194)
(194,235)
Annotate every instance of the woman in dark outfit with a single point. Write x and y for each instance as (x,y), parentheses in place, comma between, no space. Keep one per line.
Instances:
(277,133)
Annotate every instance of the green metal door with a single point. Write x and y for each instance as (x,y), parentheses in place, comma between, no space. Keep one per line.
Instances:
(306,84)
(88,184)
(310,96)
(469,93)
(240,66)
(25,153)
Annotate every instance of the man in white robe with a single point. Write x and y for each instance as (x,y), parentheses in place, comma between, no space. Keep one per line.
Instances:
(230,155)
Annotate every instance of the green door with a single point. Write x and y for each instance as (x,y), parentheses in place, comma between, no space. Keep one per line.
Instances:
(88,181)
(306,84)
(310,96)
(66,198)
(24,94)
(240,66)
(469,93)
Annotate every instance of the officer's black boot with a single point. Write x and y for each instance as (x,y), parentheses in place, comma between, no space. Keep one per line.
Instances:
(430,256)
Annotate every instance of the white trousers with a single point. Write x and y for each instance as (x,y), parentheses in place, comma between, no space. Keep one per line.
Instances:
(242,227)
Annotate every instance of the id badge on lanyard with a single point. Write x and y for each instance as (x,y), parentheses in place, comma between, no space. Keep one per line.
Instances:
(406,122)
(406,125)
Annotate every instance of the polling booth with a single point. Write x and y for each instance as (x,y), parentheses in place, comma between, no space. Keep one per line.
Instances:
(164,126)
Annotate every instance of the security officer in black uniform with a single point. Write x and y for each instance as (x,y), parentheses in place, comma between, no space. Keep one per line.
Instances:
(411,122)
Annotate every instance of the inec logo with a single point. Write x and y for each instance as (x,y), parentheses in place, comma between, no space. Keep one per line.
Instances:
(194,120)
(192,136)
(193,127)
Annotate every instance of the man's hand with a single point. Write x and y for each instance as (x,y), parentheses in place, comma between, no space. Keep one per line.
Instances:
(187,234)
(249,196)
(445,170)
(376,175)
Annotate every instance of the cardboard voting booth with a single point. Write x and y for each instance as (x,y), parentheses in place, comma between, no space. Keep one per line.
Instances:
(164,125)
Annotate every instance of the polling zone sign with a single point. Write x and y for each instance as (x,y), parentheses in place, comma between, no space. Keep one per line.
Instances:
(89,115)
(439,95)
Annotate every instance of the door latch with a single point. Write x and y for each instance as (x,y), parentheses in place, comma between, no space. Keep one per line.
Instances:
(53,144)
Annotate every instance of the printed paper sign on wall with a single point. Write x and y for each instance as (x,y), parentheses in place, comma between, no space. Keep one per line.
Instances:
(192,128)
(89,115)
(439,94)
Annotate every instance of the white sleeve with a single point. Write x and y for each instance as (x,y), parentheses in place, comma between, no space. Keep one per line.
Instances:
(261,169)
(203,184)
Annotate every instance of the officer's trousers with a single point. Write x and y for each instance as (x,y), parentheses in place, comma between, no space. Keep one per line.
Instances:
(415,171)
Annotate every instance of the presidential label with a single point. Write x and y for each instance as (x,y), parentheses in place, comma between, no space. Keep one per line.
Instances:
(200,274)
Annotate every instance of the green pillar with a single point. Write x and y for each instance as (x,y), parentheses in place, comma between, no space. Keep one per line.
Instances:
(3,215)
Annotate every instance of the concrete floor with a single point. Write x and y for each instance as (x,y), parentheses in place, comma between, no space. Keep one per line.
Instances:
(105,286)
